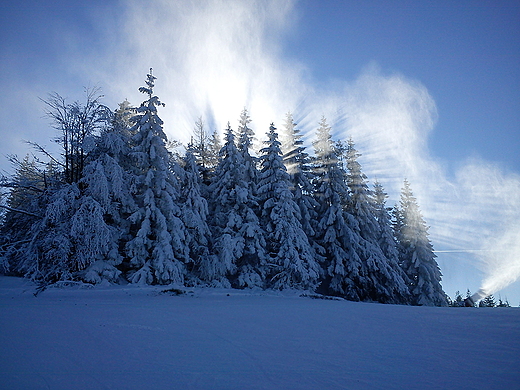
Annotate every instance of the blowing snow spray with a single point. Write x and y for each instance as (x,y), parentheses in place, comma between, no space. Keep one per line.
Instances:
(471,301)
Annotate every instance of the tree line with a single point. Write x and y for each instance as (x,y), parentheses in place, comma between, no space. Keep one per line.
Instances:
(489,301)
(120,204)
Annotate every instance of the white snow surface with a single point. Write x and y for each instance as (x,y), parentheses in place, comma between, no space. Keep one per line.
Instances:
(136,337)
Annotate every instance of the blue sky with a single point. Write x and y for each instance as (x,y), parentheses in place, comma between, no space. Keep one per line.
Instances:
(430,90)
(466,54)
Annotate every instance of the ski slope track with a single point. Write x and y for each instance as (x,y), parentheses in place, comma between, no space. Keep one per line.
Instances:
(130,337)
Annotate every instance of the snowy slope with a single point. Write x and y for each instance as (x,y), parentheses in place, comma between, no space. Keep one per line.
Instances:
(113,337)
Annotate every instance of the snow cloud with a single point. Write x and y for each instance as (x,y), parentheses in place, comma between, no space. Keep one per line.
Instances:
(473,215)
(214,57)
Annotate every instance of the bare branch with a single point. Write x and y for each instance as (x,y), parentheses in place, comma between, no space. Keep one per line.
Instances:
(19,211)
(41,149)
(10,184)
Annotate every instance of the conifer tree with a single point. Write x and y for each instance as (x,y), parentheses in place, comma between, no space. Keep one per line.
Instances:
(158,249)
(238,238)
(290,140)
(459,301)
(48,254)
(384,221)
(98,220)
(488,301)
(417,257)
(335,233)
(214,146)
(386,239)
(297,162)
(292,258)
(245,143)
(199,147)
(195,214)
(122,121)
(70,237)
(108,182)
(382,277)
(502,303)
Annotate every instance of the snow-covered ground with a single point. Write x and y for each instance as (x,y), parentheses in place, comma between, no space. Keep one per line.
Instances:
(113,337)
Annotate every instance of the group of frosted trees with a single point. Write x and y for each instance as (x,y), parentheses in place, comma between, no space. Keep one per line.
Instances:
(120,206)
(488,301)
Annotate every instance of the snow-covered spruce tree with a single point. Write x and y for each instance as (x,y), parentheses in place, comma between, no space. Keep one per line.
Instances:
(335,228)
(386,237)
(199,147)
(297,162)
(214,146)
(48,255)
(290,138)
(212,158)
(383,278)
(122,119)
(416,254)
(70,237)
(245,143)
(458,301)
(238,238)
(194,215)
(292,258)
(488,301)
(107,181)
(98,214)
(157,249)
(291,145)
(502,303)
(384,221)
(95,243)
